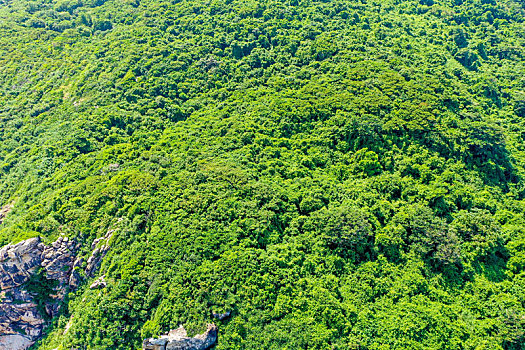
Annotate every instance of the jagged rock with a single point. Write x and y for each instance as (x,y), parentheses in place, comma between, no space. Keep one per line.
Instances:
(15,342)
(98,283)
(98,253)
(18,312)
(4,211)
(20,321)
(75,278)
(221,317)
(18,262)
(93,261)
(177,339)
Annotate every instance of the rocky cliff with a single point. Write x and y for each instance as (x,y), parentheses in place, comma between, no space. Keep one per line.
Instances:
(177,339)
(22,310)
(34,279)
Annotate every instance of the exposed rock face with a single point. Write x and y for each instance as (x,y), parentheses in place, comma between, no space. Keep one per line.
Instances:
(15,342)
(221,317)
(98,283)
(57,260)
(21,320)
(93,261)
(4,211)
(177,339)
(21,323)
(18,312)
(98,253)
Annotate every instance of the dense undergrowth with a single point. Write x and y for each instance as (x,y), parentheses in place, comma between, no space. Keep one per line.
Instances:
(339,174)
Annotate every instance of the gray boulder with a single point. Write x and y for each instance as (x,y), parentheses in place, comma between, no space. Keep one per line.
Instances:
(177,339)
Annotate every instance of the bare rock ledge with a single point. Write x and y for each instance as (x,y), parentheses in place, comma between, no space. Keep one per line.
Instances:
(177,339)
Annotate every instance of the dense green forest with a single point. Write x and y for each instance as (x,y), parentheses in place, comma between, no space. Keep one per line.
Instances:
(339,174)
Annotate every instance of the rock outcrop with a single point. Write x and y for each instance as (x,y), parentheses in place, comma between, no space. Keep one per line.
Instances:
(100,248)
(221,317)
(15,342)
(99,283)
(21,321)
(57,261)
(23,314)
(177,339)
(4,211)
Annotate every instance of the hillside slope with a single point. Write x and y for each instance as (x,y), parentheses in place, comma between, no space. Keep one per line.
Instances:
(337,174)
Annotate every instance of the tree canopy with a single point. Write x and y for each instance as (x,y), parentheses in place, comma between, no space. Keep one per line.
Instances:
(338,174)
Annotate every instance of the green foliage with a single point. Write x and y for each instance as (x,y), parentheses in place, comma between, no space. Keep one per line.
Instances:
(338,174)
(42,290)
